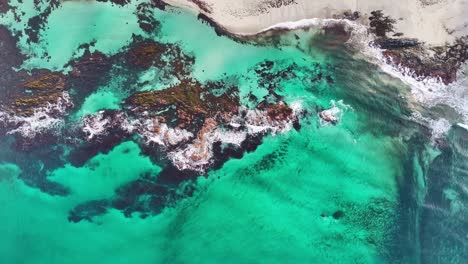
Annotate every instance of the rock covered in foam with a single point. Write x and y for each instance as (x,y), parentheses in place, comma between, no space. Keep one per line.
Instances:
(199,155)
(330,115)
(103,123)
(160,133)
(47,118)
(333,114)
(186,121)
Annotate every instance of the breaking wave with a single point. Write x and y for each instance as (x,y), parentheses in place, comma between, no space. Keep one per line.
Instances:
(426,91)
(44,119)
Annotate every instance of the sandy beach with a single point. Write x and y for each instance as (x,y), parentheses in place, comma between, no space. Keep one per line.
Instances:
(434,22)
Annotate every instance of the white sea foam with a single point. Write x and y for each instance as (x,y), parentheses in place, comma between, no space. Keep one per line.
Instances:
(96,125)
(427,91)
(463,126)
(44,119)
(230,137)
(155,132)
(439,127)
(334,113)
(99,124)
(430,92)
(198,155)
(359,34)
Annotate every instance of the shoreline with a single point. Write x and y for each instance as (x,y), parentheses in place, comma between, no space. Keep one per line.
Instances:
(437,77)
(439,58)
(432,22)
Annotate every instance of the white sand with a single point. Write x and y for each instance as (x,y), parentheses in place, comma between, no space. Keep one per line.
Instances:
(432,21)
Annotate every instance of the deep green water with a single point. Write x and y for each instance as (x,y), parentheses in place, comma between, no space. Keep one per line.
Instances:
(350,193)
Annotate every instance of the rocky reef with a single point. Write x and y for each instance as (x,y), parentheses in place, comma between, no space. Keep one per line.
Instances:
(144,54)
(191,121)
(187,120)
(187,127)
(441,62)
(4,7)
(29,98)
(186,105)
(422,61)
(31,92)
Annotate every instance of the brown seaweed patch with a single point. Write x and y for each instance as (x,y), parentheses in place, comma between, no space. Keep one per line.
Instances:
(32,91)
(443,63)
(48,80)
(146,53)
(26,105)
(279,112)
(188,101)
(88,72)
(90,66)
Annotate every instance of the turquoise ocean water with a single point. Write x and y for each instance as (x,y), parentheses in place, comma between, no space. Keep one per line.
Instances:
(371,189)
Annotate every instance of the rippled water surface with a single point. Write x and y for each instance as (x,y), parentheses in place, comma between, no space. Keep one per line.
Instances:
(370,189)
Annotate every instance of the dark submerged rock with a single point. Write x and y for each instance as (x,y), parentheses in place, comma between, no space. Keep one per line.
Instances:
(393,43)
(117,2)
(189,101)
(338,214)
(146,19)
(30,91)
(88,210)
(381,25)
(4,6)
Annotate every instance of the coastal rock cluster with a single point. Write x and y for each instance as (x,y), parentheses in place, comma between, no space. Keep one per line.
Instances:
(186,121)
(4,6)
(38,90)
(410,55)
(441,62)
(438,62)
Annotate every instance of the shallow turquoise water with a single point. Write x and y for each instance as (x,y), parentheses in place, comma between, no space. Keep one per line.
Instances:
(323,194)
